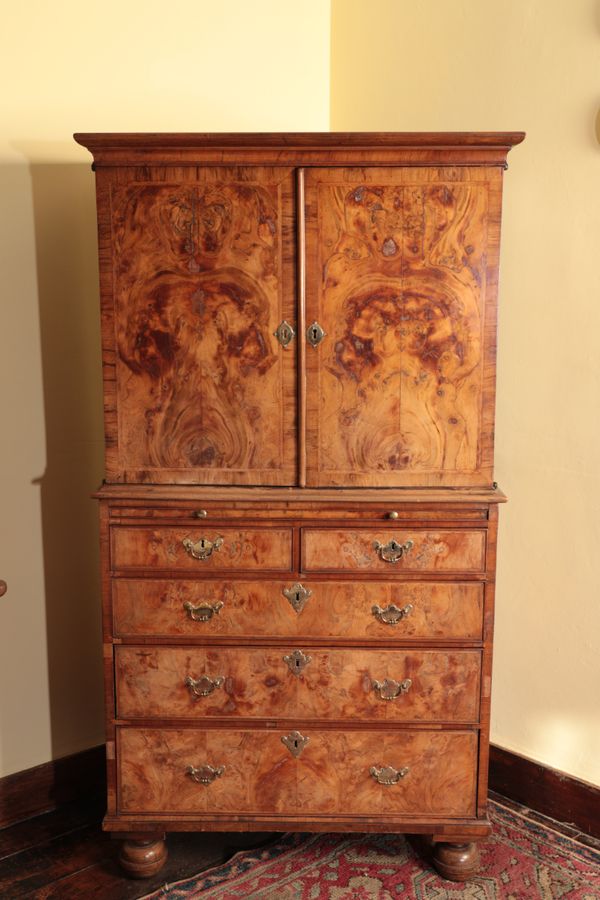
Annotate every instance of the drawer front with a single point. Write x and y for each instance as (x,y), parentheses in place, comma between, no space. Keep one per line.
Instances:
(201,548)
(392,551)
(372,610)
(285,682)
(226,771)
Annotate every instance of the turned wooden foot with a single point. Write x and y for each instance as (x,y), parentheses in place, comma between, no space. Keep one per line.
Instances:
(142,859)
(456,862)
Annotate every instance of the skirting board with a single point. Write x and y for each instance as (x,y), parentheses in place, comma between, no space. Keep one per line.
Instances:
(81,778)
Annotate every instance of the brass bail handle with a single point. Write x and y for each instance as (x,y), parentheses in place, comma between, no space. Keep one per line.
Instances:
(204,774)
(387,774)
(203,548)
(393,551)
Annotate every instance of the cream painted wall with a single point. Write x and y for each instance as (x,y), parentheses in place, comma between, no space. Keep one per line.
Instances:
(189,65)
(532,65)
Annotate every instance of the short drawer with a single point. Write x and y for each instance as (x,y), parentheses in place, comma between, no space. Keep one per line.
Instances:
(371,773)
(287,682)
(393,550)
(332,609)
(201,549)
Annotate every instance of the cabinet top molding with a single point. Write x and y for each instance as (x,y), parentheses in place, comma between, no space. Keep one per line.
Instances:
(307,148)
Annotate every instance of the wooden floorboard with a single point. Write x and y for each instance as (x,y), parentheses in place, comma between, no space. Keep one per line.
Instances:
(64,855)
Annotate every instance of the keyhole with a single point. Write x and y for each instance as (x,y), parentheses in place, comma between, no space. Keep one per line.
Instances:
(202,543)
(314,333)
(295,743)
(297,596)
(297,663)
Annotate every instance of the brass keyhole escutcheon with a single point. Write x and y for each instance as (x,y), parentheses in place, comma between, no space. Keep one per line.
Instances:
(295,742)
(296,661)
(315,334)
(284,333)
(297,594)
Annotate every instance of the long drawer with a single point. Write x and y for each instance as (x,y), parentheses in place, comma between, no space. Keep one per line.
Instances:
(393,551)
(253,771)
(330,609)
(285,682)
(201,548)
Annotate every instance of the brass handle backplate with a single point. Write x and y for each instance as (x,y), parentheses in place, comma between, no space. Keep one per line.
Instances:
(391,615)
(203,686)
(204,774)
(297,594)
(390,689)
(387,775)
(204,611)
(297,661)
(202,548)
(393,551)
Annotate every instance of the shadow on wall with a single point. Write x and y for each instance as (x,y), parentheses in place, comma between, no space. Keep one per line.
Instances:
(66,256)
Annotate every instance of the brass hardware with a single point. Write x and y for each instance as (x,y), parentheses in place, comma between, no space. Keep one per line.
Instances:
(297,661)
(285,334)
(204,612)
(199,514)
(297,594)
(203,686)
(315,334)
(390,689)
(392,614)
(392,515)
(387,775)
(392,552)
(202,548)
(204,774)
(295,743)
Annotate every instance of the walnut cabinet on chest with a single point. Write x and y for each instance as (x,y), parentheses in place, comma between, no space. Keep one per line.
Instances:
(299,515)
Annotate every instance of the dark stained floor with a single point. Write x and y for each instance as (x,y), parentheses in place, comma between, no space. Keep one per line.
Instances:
(64,855)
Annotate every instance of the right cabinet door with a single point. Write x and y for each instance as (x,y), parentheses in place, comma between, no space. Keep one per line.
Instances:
(401,276)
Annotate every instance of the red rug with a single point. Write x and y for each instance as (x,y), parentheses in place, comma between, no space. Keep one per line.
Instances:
(522,860)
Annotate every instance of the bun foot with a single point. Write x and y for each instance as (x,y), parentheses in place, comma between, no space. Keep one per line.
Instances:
(456,862)
(143,859)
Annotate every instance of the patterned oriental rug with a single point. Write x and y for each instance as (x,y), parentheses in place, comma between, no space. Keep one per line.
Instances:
(522,860)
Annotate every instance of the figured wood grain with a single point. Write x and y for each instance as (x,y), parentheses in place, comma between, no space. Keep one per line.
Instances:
(332,773)
(259,609)
(202,265)
(163,548)
(311,148)
(398,262)
(330,550)
(336,683)
(427,498)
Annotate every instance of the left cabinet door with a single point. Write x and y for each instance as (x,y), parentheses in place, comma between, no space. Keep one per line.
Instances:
(197,271)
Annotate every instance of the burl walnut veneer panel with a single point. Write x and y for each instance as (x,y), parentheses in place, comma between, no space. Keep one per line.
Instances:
(401,276)
(435,551)
(335,609)
(164,548)
(332,684)
(332,773)
(202,263)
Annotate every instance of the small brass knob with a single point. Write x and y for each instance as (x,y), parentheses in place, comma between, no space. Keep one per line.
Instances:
(392,515)
(199,514)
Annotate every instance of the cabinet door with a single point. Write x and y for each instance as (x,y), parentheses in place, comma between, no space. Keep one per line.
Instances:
(401,276)
(198,271)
